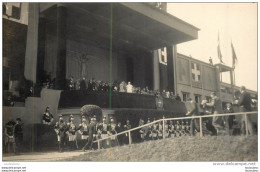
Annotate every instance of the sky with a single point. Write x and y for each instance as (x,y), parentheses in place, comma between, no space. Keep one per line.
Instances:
(236,22)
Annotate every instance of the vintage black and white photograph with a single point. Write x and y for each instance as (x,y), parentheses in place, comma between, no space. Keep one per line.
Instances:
(129,82)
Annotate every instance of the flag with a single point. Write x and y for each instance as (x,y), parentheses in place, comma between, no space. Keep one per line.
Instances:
(234,56)
(162,54)
(219,52)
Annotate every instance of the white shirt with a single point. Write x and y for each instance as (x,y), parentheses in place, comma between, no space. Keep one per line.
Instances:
(129,88)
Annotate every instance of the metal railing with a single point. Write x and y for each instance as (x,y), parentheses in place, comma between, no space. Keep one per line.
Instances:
(180,118)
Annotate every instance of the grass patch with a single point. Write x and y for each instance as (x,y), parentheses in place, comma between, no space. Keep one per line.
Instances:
(209,148)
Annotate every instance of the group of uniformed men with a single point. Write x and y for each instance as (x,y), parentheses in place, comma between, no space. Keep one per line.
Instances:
(155,131)
(89,132)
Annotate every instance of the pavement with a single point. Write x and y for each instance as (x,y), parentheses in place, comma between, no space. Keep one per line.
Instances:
(42,156)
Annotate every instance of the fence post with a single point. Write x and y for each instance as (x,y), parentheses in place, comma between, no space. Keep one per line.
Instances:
(163,128)
(201,134)
(246,127)
(98,145)
(129,135)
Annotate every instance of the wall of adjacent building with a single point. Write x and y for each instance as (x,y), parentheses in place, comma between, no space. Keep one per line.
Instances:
(185,83)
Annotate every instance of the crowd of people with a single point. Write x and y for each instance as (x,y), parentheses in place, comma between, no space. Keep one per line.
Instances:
(223,124)
(123,87)
(89,129)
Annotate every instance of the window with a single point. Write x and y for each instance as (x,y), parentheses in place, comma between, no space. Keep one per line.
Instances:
(198,66)
(197,98)
(193,76)
(16,12)
(192,65)
(185,96)
(195,72)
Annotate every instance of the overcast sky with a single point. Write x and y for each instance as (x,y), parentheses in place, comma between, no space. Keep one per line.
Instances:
(233,21)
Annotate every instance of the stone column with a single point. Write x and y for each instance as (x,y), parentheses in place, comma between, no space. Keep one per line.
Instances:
(30,66)
(156,71)
(171,54)
(60,82)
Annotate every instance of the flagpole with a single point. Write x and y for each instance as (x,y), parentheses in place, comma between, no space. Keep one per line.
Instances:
(234,77)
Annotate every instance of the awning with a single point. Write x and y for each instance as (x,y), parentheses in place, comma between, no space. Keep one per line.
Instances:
(135,26)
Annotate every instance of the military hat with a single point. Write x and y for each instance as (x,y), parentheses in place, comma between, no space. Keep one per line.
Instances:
(60,115)
(71,116)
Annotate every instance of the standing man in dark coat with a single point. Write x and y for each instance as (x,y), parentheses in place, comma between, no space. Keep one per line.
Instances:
(91,132)
(244,102)
(216,106)
(228,120)
(83,84)
(192,109)
(120,129)
(18,135)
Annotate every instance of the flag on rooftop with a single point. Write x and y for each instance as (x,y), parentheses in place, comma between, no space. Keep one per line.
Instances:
(219,52)
(234,56)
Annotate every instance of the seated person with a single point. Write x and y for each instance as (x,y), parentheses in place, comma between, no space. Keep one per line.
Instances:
(71,84)
(47,117)
(115,87)
(129,88)
(164,94)
(122,87)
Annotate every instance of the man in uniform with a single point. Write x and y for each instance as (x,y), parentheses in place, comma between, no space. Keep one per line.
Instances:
(60,129)
(166,129)
(91,132)
(18,135)
(83,129)
(187,128)
(72,133)
(171,129)
(148,130)
(160,130)
(103,129)
(178,129)
(142,130)
(111,131)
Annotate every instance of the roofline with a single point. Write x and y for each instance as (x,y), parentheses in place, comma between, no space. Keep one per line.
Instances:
(176,18)
(205,63)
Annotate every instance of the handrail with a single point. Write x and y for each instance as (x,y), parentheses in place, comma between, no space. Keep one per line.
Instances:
(214,115)
(189,117)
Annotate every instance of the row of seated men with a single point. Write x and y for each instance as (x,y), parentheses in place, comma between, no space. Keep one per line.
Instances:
(171,129)
(93,85)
